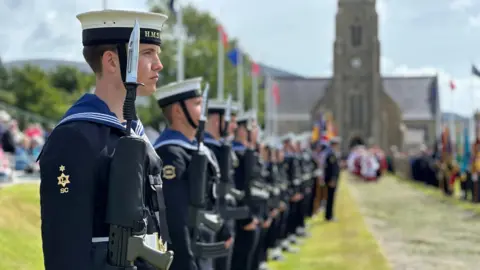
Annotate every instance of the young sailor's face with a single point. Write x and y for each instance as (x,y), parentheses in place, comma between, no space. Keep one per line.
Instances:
(232,126)
(149,65)
(194,107)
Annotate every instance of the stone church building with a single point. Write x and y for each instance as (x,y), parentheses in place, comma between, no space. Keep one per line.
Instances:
(379,109)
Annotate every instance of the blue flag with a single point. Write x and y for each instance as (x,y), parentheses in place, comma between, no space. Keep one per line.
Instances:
(475,71)
(171,6)
(233,56)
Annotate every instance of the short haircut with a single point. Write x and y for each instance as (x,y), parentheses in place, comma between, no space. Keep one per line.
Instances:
(93,56)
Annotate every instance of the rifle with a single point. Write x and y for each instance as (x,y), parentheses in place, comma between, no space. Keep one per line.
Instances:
(132,161)
(198,183)
(225,162)
(255,193)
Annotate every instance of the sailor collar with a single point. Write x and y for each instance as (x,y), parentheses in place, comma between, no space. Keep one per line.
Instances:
(91,108)
(211,140)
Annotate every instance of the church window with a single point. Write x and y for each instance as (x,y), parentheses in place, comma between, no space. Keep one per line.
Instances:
(356,35)
(356,111)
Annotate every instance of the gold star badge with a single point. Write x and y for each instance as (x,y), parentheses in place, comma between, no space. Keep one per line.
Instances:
(63,179)
(169,172)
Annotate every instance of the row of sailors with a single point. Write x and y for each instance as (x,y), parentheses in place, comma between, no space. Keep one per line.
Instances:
(277,181)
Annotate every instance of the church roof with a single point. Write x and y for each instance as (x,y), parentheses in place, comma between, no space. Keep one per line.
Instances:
(298,96)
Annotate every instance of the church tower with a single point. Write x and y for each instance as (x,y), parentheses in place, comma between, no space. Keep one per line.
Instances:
(357,85)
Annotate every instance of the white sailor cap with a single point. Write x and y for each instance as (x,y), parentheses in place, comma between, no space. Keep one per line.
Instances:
(178,91)
(115,26)
(216,106)
(247,116)
(235,107)
(287,137)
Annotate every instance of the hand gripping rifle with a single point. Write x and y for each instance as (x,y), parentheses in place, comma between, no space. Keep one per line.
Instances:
(225,162)
(197,190)
(132,163)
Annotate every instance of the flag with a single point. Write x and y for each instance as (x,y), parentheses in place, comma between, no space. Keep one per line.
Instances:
(223,36)
(466,150)
(255,68)
(316,130)
(233,55)
(475,71)
(171,6)
(276,93)
(432,97)
(452,85)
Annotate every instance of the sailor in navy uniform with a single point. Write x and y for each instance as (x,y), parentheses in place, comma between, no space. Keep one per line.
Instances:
(246,230)
(213,140)
(292,167)
(74,163)
(181,104)
(332,173)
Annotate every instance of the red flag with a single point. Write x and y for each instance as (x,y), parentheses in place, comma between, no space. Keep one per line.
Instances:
(255,68)
(223,35)
(452,85)
(276,93)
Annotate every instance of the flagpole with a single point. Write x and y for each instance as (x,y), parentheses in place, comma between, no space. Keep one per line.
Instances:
(180,44)
(104,4)
(266,115)
(452,121)
(254,90)
(221,65)
(240,93)
(472,105)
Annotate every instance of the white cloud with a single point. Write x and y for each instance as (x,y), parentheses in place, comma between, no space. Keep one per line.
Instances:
(463,99)
(382,10)
(460,4)
(474,20)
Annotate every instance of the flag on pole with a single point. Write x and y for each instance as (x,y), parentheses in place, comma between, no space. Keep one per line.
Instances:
(452,85)
(255,68)
(233,56)
(475,71)
(276,93)
(223,36)
(171,6)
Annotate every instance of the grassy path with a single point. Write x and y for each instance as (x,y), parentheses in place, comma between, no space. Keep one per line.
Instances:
(417,230)
(343,245)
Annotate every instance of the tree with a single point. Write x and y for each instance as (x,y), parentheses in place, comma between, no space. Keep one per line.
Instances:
(35,93)
(71,80)
(4,76)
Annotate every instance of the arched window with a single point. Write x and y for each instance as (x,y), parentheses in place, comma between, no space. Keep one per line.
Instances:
(356,35)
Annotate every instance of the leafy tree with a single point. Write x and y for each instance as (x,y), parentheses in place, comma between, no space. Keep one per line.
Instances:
(35,93)
(71,80)
(4,76)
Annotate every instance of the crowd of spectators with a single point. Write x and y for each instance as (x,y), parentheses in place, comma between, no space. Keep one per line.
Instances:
(20,148)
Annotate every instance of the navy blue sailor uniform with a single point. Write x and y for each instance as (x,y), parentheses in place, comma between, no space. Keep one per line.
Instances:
(176,150)
(245,241)
(74,169)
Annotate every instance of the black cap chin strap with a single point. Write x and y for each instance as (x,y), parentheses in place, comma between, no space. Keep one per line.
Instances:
(187,114)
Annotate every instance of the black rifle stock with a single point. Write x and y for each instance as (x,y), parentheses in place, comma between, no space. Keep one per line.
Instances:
(225,161)
(126,211)
(197,189)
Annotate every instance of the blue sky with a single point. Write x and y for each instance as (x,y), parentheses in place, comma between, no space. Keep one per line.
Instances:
(417,37)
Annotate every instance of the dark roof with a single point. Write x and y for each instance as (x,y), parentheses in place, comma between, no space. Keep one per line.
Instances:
(298,96)
(412,94)
(276,72)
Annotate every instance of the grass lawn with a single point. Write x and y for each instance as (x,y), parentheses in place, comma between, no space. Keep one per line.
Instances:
(20,241)
(344,245)
(438,194)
